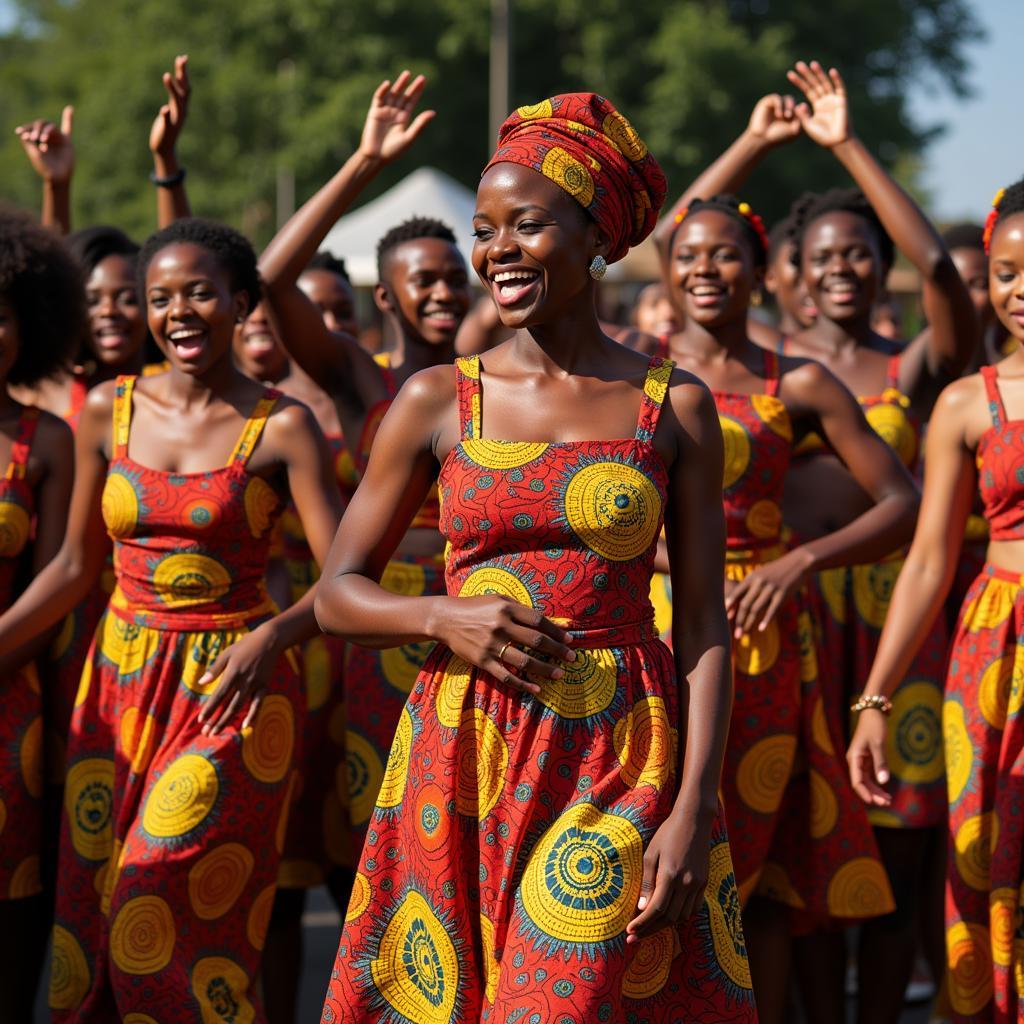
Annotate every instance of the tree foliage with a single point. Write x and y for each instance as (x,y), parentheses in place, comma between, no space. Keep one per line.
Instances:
(285,84)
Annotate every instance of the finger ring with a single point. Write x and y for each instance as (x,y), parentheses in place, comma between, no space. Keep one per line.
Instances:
(504,647)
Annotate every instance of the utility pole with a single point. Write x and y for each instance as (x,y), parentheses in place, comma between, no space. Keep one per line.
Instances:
(501,65)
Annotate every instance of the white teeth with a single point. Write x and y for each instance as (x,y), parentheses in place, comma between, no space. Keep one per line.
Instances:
(184,335)
(514,275)
(707,291)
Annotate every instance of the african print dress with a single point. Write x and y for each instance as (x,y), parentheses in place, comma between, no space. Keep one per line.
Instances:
(851,605)
(983,726)
(504,858)
(21,723)
(171,839)
(319,837)
(378,682)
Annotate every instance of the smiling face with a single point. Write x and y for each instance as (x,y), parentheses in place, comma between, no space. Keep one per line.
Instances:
(655,313)
(258,353)
(972,266)
(841,265)
(334,297)
(117,324)
(783,280)
(712,269)
(1006,273)
(191,307)
(426,287)
(533,248)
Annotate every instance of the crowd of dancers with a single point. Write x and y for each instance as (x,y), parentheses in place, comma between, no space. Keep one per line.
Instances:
(641,683)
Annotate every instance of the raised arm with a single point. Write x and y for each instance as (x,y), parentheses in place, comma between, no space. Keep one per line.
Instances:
(825,118)
(168,175)
(52,155)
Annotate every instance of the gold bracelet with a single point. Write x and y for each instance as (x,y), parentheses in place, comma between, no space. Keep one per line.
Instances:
(875,701)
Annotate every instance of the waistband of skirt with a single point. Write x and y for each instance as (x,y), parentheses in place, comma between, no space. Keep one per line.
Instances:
(190,619)
(621,634)
(1003,574)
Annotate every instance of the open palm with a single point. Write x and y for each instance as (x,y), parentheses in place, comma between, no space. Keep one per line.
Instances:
(826,115)
(390,128)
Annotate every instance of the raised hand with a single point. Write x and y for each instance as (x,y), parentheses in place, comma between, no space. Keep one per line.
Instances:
(826,115)
(389,129)
(49,148)
(170,119)
(774,119)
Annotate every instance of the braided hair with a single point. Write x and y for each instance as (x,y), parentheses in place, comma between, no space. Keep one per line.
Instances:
(811,206)
(742,214)
(1008,201)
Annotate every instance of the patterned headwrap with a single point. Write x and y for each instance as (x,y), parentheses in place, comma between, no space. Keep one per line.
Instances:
(583,144)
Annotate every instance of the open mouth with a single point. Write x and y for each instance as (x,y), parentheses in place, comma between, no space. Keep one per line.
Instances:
(259,343)
(110,337)
(842,293)
(442,319)
(188,342)
(512,287)
(705,295)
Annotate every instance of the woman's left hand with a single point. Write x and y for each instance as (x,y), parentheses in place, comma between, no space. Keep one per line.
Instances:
(244,669)
(675,874)
(755,600)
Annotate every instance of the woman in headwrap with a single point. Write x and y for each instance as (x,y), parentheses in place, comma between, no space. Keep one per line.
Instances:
(548,844)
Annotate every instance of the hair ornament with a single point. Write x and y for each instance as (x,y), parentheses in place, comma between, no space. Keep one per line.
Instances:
(747,211)
(990,220)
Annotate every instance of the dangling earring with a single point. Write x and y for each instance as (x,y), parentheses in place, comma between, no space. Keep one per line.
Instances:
(756,298)
(598,267)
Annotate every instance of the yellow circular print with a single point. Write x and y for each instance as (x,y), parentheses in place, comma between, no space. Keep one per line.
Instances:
(956,742)
(26,880)
(31,758)
(106,878)
(756,652)
(624,135)
(997,683)
(316,673)
(261,502)
(489,579)
(587,688)
(824,806)
(138,1018)
(969,966)
(534,110)
(832,583)
(723,902)
(124,644)
(568,173)
(268,743)
(142,936)
(890,423)
(819,728)
(503,455)
(764,519)
(138,742)
(973,844)
(452,687)
(181,798)
(490,964)
(220,987)
(69,971)
(406,578)
(1002,916)
(764,771)
(872,590)
(362,891)
(364,774)
(401,665)
(614,509)
(483,761)
(392,787)
(120,505)
(775,883)
(582,879)
(860,888)
(661,600)
(737,450)
(773,413)
(417,970)
(218,879)
(187,579)
(88,802)
(992,607)
(15,526)
(651,965)
(915,733)
(645,744)
(259,917)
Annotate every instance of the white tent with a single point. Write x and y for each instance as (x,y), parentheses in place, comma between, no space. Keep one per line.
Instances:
(427,192)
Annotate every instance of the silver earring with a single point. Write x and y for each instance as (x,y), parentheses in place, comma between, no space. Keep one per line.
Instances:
(598,267)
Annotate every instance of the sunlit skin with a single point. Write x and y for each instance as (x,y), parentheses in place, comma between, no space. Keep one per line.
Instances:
(887,320)
(654,312)
(117,320)
(333,296)
(783,281)
(258,353)
(972,266)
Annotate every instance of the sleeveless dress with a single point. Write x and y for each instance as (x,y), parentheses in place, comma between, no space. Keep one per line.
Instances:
(171,839)
(378,682)
(983,726)
(851,604)
(503,861)
(21,723)
(319,837)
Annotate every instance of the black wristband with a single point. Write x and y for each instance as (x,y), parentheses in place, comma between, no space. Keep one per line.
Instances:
(170,181)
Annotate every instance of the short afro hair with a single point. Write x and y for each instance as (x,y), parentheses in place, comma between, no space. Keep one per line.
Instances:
(324,260)
(964,236)
(811,206)
(91,246)
(230,248)
(730,206)
(41,282)
(411,230)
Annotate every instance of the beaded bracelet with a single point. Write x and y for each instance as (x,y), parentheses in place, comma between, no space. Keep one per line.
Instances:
(875,701)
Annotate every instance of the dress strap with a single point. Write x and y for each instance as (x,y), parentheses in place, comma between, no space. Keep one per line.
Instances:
(771,374)
(995,400)
(780,346)
(122,415)
(467,384)
(383,360)
(655,388)
(79,391)
(661,350)
(254,428)
(22,446)
(892,372)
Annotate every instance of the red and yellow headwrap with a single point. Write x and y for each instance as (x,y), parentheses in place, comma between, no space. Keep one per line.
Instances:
(584,145)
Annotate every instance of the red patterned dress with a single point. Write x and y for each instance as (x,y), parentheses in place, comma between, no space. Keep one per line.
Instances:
(503,861)
(319,837)
(171,839)
(378,682)
(21,723)
(851,605)
(983,729)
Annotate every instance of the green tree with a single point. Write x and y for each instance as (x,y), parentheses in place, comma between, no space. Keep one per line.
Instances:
(285,83)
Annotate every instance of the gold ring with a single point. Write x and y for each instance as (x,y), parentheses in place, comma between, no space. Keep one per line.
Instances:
(504,648)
